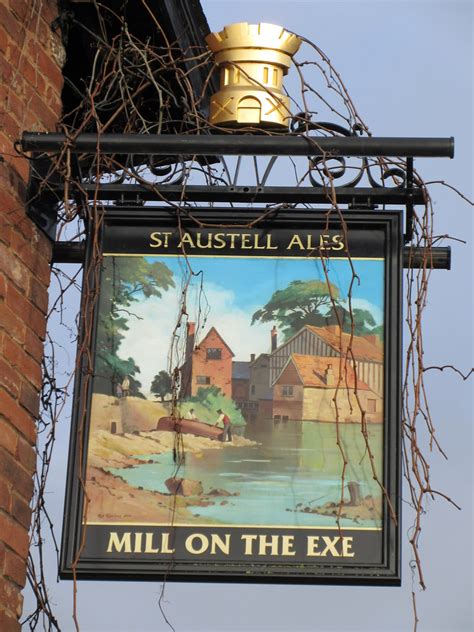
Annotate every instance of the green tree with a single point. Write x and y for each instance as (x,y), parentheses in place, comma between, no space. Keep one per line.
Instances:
(314,303)
(124,281)
(161,384)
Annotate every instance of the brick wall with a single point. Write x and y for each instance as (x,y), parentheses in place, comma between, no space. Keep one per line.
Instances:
(30,88)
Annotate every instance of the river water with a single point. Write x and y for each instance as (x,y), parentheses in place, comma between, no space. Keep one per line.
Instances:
(294,465)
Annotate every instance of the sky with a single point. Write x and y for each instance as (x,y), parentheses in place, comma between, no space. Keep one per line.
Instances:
(408,65)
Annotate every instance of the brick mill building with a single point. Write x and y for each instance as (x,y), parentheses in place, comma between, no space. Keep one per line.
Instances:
(208,363)
(308,387)
(367,352)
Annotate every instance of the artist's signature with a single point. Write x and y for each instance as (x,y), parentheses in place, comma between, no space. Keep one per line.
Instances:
(108,516)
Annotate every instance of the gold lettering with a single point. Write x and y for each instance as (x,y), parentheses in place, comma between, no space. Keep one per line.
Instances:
(287,542)
(190,546)
(347,547)
(165,544)
(338,242)
(232,239)
(256,242)
(269,243)
(200,245)
(149,544)
(264,544)
(138,542)
(330,546)
(118,544)
(219,240)
(245,245)
(155,237)
(249,539)
(313,544)
(186,239)
(218,543)
(324,242)
(309,242)
(295,240)
(156,240)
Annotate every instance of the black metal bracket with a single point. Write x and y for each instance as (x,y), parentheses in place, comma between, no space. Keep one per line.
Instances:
(45,193)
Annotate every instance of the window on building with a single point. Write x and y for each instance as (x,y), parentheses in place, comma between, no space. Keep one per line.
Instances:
(252,389)
(203,379)
(213,353)
(371,405)
(287,391)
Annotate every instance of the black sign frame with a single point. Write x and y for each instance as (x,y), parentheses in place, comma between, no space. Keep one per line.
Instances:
(121,230)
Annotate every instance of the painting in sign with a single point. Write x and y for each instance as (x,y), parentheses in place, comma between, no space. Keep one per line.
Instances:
(236,395)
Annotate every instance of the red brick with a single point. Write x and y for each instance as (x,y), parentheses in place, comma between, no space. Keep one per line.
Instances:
(14,535)
(26,454)
(13,267)
(11,128)
(35,253)
(6,72)
(46,64)
(11,25)
(46,116)
(25,365)
(10,596)
(10,202)
(2,557)
(9,378)
(8,622)
(13,323)
(8,437)
(34,345)
(11,410)
(39,295)
(17,300)
(5,232)
(3,286)
(5,494)
(16,215)
(29,399)
(19,304)
(15,568)
(32,75)
(21,511)
(11,470)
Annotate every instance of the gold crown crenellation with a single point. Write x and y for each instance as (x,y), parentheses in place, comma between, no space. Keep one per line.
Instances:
(253,59)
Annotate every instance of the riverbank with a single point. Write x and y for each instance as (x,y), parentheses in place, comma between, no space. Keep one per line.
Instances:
(115,500)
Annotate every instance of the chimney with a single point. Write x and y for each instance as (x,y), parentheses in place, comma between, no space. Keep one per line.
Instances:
(274,338)
(252,357)
(329,376)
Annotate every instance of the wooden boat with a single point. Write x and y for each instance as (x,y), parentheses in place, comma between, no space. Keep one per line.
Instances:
(189,426)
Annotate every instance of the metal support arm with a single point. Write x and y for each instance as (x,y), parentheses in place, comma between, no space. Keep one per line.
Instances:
(235,144)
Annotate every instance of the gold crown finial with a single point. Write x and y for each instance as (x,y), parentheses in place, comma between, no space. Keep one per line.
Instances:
(253,59)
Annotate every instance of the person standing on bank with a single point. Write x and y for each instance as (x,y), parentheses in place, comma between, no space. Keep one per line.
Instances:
(125,387)
(225,420)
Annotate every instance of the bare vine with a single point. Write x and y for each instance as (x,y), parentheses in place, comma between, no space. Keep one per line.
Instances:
(151,88)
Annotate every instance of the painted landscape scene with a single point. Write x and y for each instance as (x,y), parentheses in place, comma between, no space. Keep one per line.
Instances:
(278,380)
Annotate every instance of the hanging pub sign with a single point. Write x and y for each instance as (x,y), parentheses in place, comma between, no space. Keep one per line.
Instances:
(241,420)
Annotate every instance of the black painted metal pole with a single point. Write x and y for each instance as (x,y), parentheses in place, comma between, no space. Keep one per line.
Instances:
(236,144)
(439,257)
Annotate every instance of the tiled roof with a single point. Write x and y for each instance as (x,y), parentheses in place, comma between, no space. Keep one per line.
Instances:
(361,347)
(203,342)
(312,371)
(240,370)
